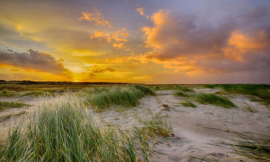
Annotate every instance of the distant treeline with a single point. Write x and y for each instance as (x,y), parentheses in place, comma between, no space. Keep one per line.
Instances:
(53,82)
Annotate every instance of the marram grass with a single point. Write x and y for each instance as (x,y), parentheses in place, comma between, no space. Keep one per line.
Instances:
(204,98)
(256,148)
(188,104)
(126,96)
(64,131)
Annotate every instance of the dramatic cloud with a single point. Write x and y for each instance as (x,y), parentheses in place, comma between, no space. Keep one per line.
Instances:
(33,61)
(140,10)
(95,17)
(189,45)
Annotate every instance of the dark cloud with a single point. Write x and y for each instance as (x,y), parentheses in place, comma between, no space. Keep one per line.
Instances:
(33,60)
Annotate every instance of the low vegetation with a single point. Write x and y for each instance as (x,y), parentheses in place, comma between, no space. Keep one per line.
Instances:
(36,93)
(214,100)
(12,87)
(259,90)
(156,124)
(125,95)
(7,93)
(180,94)
(11,104)
(64,131)
(183,89)
(253,147)
(188,104)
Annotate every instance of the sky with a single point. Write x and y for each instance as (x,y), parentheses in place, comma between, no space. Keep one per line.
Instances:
(136,41)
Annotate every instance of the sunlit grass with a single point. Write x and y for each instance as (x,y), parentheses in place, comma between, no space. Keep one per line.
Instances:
(127,96)
(64,131)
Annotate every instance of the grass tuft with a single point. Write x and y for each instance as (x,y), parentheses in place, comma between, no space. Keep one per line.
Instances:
(11,104)
(188,104)
(127,96)
(156,124)
(253,147)
(214,100)
(64,131)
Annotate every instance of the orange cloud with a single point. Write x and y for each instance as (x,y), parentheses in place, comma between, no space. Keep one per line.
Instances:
(240,44)
(96,17)
(140,10)
(99,34)
(118,37)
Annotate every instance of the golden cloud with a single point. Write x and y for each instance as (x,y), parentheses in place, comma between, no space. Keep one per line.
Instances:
(95,17)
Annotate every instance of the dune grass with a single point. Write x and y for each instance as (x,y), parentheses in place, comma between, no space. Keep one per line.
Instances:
(259,90)
(256,148)
(7,93)
(128,96)
(36,93)
(11,104)
(214,100)
(183,89)
(180,94)
(64,131)
(188,104)
(156,124)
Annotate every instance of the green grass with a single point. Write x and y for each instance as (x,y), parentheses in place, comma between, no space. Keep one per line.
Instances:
(64,131)
(212,86)
(180,94)
(183,89)
(7,93)
(259,90)
(129,96)
(11,104)
(253,147)
(36,93)
(188,104)
(156,124)
(214,100)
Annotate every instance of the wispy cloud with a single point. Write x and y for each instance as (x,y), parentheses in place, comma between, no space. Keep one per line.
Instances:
(95,17)
(141,11)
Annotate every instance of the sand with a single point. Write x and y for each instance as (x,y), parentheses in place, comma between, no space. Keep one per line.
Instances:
(198,131)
